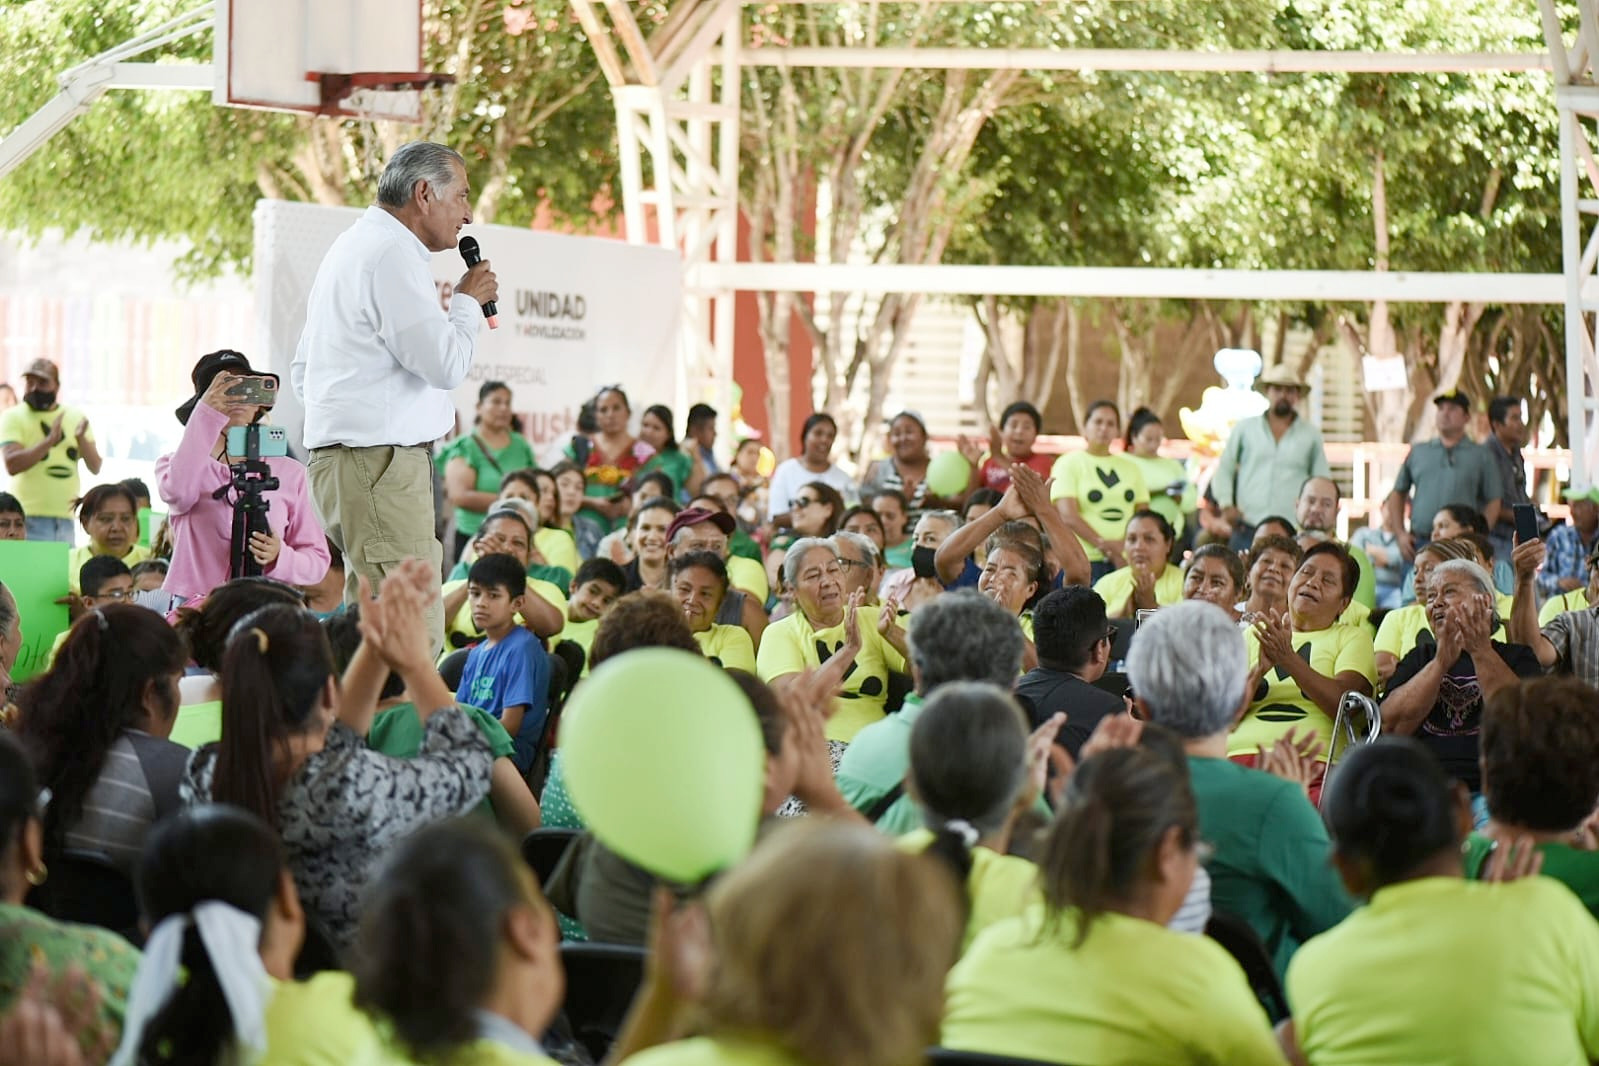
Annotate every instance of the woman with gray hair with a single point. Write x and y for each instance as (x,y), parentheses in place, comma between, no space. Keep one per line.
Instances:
(1438,689)
(855,646)
(1189,668)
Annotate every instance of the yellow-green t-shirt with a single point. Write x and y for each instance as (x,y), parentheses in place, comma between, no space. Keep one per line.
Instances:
(749,576)
(1330,652)
(461,627)
(1575,600)
(1159,472)
(792,645)
(715,1051)
(1107,488)
(197,724)
(557,547)
(315,1023)
(729,647)
(999,886)
(1132,992)
(47,488)
(581,634)
(82,554)
(1116,589)
(1442,969)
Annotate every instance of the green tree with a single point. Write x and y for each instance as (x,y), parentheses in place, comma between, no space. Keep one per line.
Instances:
(147,166)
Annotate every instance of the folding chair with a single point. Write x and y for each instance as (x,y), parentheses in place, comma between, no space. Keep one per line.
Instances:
(1244,945)
(88,888)
(601,981)
(542,849)
(943,1056)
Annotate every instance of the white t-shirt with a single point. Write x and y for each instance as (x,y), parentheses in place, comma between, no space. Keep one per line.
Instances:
(791,475)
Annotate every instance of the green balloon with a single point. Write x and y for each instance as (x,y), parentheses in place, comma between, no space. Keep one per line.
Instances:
(663,759)
(948,474)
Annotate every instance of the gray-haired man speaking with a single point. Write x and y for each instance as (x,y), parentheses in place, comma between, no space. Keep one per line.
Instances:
(377,360)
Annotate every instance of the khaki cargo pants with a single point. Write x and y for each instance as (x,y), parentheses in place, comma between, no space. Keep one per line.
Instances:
(377,507)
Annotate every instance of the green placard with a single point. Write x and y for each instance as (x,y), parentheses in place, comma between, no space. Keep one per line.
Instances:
(148,520)
(36,573)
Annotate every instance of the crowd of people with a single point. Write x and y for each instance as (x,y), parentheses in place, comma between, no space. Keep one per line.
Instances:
(1073,762)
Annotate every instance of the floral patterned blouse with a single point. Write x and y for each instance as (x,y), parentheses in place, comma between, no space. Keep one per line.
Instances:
(29,939)
(348,805)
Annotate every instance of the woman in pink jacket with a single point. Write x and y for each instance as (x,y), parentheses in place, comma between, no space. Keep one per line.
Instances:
(294,552)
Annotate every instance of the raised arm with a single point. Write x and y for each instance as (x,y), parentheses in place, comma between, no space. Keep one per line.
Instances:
(950,559)
(1523,625)
(1064,546)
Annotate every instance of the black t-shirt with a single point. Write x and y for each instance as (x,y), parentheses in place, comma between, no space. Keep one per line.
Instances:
(1048,691)
(1452,728)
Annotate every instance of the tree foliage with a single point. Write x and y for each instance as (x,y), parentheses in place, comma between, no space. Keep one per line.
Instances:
(525,111)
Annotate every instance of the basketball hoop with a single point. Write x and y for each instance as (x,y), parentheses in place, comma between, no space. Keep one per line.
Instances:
(335,89)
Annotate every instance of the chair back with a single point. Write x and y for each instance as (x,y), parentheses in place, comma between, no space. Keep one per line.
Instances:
(543,847)
(88,888)
(943,1056)
(601,981)
(1241,941)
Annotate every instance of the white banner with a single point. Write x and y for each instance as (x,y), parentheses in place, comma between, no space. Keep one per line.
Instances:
(576,313)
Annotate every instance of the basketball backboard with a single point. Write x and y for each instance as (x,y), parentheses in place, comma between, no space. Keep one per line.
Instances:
(270,54)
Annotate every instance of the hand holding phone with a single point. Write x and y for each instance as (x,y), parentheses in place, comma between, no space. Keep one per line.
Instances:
(258,389)
(1526,518)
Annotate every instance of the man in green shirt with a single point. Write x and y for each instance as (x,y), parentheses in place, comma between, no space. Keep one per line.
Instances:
(1267,458)
(1271,866)
(959,636)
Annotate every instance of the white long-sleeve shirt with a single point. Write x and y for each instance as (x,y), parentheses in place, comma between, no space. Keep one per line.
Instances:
(377,356)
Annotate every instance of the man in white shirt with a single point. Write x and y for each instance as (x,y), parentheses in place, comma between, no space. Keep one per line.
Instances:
(377,360)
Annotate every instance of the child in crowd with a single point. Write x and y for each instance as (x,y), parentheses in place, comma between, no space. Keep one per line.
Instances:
(13,520)
(149,575)
(508,675)
(104,579)
(597,585)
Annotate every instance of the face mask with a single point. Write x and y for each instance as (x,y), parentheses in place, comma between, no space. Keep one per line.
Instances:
(39,401)
(922,562)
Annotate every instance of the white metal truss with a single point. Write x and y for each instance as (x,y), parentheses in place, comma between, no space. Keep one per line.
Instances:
(677,92)
(1577,99)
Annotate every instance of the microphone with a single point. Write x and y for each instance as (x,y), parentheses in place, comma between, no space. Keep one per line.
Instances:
(472,257)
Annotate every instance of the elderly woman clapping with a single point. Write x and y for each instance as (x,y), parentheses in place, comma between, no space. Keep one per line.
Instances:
(862,645)
(1305,660)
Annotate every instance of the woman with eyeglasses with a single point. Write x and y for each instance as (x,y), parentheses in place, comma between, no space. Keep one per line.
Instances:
(1305,661)
(293,749)
(815,511)
(97,725)
(1093,977)
(110,515)
(10,648)
(30,942)
(855,646)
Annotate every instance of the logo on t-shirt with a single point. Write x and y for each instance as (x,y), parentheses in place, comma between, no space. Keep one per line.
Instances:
(1108,502)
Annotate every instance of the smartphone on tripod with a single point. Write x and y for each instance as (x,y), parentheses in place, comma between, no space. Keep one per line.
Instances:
(274,440)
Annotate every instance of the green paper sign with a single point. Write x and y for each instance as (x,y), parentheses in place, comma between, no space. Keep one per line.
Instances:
(148,520)
(36,573)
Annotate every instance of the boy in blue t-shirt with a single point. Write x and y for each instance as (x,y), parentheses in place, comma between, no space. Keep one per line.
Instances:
(508,675)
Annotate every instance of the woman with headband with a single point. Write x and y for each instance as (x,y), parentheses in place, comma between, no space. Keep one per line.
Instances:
(216,982)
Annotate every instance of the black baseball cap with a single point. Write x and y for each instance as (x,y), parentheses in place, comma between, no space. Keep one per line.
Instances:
(205,371)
